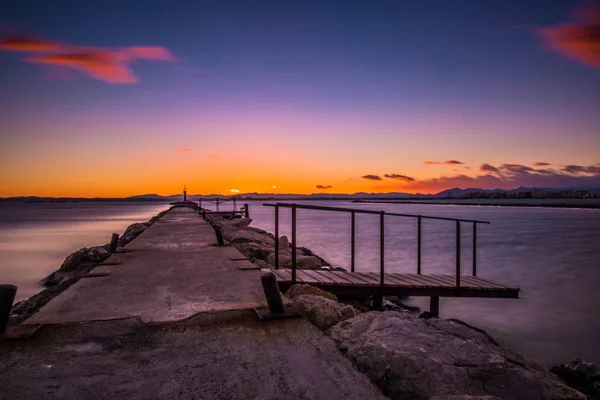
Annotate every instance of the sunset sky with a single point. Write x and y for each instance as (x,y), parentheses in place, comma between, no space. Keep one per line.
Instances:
(118,98)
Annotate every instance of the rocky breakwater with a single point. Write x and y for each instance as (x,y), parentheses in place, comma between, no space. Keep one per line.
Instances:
(409,357)
(259,245)
(76,265)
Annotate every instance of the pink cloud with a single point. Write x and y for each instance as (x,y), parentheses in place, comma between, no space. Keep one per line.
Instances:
(448,162)
(184,150)
(578,40)
(111,66)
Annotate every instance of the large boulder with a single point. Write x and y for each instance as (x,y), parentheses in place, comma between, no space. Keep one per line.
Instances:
(254,250)
(322,312)
(238,223)
(412,358)
(308,262)
(248,234)
(302,261)
(299,290)
(581,375)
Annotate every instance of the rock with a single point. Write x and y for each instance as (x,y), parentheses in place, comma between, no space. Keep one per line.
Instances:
(253,250)
(262,264)
(464,397)
(132,231)
(248,234)
(580,375)
(75,259)
(97,254)
(322,312)
(408,357)
(300,290)
(121,249)
(307,262)
(285,259)
(239,223)
(284,245)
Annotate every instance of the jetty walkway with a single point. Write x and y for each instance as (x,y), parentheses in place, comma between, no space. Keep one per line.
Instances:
(173,318)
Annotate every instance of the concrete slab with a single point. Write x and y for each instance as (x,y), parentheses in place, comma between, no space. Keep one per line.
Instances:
(246,359)
(166,277)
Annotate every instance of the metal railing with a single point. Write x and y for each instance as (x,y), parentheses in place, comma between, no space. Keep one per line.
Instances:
(382,215)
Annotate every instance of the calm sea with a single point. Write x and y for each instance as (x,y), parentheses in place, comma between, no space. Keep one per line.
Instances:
(553,255)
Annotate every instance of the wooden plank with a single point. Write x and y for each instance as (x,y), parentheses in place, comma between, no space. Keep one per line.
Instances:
(341,279)
(432,281)
(406,280)
(450,280)
(303,277)
(373,281)
(397,280)
(282,275)
(480,283)
(356,278)
(321,276)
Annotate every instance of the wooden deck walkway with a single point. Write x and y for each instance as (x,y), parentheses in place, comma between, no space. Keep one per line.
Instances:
(361,283)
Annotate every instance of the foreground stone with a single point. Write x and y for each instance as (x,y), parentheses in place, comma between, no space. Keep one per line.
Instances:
(410,358)
(581,375)
(299,290)
(323,312)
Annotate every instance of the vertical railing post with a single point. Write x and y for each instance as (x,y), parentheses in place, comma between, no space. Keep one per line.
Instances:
(474,248)
(294,244)
(381,248)
(246,210)
(276,236)
(419,245)
(353,242)
(457,254)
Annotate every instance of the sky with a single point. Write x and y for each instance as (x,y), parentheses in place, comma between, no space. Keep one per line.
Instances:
(113,98)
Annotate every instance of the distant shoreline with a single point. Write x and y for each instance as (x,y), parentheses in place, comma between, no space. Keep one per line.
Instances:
(463,203)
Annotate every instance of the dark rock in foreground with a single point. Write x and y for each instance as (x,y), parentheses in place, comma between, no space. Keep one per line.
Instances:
(411,358)
(581,375)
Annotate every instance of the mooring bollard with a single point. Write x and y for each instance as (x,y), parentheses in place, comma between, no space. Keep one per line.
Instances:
(114,241)
(246,211)
(271,288)
(7,298)
(220,240)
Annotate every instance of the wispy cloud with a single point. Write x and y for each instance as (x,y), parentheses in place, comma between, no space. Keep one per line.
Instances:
(324,187)
(540,164)
(215,157)
(184,150)
(578,40)
(447,162)
(400,177)
(371,177)
(111,66)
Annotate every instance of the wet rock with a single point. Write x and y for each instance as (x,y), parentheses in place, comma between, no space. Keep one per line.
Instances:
(253,250)
(580,375)
(248,234)
(300,290)
(239,223)
(121,249)
(322,312)
(97,254)
(285,259)
(464,397)
(408,357)
(132,231)
(308,262)
(284,245)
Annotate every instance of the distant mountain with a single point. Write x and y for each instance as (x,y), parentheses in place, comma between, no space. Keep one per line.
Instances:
(449,193)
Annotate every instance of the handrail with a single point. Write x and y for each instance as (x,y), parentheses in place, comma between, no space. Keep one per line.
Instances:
(358,210)
(382,215)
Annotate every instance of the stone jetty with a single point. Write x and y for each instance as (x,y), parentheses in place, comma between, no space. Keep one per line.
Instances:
(170,314)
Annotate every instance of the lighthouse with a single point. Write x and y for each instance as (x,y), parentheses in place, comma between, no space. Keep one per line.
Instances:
(184,194)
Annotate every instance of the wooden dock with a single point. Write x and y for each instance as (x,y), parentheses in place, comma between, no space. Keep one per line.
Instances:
(367,283)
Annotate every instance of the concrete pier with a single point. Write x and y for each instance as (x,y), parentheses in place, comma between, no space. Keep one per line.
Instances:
(174,319)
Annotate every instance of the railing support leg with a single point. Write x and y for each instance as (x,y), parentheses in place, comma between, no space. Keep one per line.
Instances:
(419,245)
(7,298)
(294,244)
(276,237)
(457,254)
(114,241)
(381,248)
(272,293)
(474,248)
(434,306)
(353,242)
